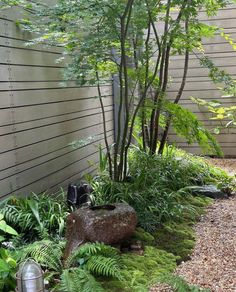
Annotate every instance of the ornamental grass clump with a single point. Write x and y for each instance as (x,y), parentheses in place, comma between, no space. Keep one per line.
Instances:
(158,186)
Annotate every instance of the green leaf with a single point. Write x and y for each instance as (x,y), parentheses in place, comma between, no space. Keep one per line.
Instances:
(6,228)
(2,238)
(217,131)
(4,267)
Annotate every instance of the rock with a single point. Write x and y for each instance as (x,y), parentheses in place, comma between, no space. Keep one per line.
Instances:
(210,191)
(109,224)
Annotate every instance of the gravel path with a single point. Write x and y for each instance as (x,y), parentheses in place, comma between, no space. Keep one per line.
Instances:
(228,164)
(213,261)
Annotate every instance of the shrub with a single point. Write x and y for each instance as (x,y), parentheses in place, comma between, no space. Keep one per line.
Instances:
(35,217)
(157,187)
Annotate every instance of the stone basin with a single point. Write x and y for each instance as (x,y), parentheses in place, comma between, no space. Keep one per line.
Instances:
(109,224)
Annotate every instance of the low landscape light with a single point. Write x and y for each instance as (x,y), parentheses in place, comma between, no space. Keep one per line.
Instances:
(30,277)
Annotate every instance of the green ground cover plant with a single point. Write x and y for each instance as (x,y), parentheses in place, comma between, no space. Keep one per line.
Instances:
(158,186)
(158,189)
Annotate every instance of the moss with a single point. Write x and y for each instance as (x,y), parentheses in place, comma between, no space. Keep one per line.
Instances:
(200,202)
(177,238)
(195,206)
(143,236)
(140,272)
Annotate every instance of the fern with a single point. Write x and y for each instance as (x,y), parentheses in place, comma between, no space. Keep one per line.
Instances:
(103,266)
(36,217)
(98,259)
(77,279)
(97,248)
(179,284)
(68,282)
(89,249)
(20,217)
(47,253)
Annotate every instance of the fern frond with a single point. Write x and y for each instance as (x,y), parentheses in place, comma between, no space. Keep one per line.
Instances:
(103,266)
(77,279)
(68,282)
(89,249)
(47,253)
(179,284)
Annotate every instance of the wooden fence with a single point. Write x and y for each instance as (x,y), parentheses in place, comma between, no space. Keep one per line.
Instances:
(199,84)
(39,118)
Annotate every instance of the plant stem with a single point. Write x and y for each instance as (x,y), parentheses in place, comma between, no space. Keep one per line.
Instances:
(104,125)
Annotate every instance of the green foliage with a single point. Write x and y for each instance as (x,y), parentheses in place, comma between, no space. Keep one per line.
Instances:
(5,228)
(177,238)
(7,270)
(141,235)
(178,284)
(97,258)
(77,279)
(90,260)
(7,262)
(157,189)
(142,271)
(35,217)
(100,265)
(102,38)
(47,253)
(187,125)
(226,115)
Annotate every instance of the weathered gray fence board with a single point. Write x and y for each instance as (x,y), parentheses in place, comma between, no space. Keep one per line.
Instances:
(199,84)
(52,95)
(48,116)
(39,117)
(34,135)
(58,154)
(33,154)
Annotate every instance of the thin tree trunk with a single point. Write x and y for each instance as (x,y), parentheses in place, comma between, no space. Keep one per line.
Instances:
(162,64)
(159,105)
(178,96)
(163,77)
(104,125)
(119,142)
(125,20)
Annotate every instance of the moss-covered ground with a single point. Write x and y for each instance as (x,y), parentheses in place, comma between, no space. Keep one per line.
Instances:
(162,251)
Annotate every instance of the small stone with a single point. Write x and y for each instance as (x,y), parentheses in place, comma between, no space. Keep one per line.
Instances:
(210,191)
(135,247)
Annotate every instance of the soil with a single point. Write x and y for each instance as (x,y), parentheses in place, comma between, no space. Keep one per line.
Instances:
(213,261)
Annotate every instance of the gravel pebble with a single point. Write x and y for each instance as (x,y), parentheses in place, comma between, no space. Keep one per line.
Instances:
(213,261)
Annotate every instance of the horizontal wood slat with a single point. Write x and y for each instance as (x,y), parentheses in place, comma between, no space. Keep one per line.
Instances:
(199,85)
(39,118)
